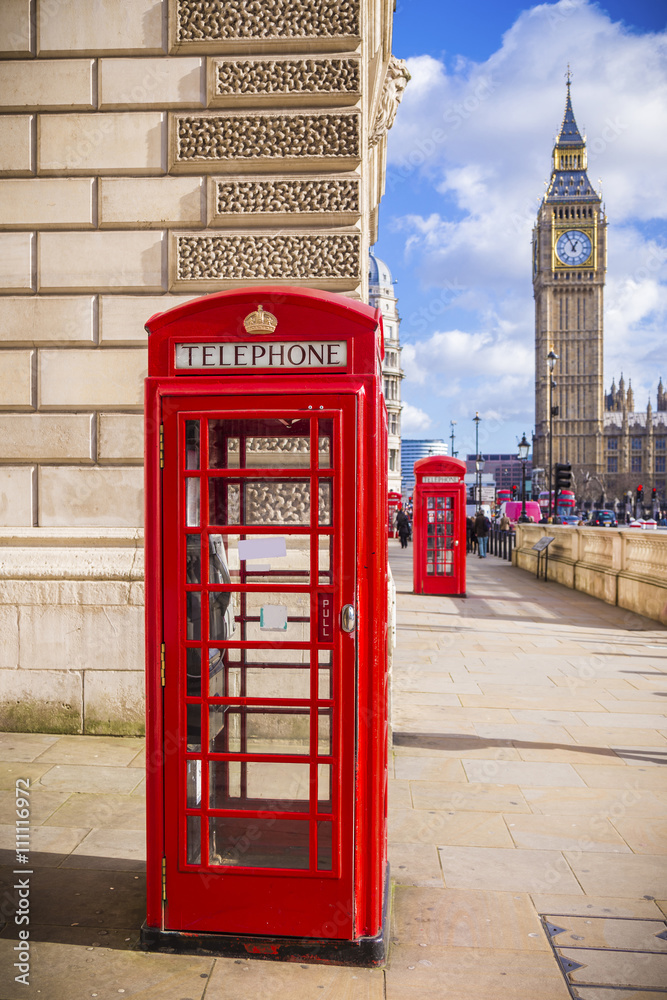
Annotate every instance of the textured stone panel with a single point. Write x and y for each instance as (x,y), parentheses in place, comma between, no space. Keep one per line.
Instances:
(15,496)
(46,319)
(16,271)
(15,385)
(47,84)
(327,199)
(81,637)
(122,143)
(153,202)
(41,203)
(92,378)
(122,317)
(16,145)
(291,81)
(15,27)
(122,261)
(114,702)
(293,257)
(41,437)
(71,497)
(226,141)
(101,26)
(120,438)
(159,83)
(246,19)
(41,701)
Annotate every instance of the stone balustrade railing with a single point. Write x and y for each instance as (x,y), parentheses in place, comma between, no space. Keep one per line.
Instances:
(626,567)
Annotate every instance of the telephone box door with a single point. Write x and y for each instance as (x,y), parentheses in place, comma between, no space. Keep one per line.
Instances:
(259,696)
(442,551)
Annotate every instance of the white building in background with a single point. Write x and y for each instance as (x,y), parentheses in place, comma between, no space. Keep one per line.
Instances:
(411,450)
(381,294)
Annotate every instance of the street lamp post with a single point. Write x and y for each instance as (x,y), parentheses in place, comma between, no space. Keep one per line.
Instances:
(452,424)
(478,464)
(523,447)
(552,358)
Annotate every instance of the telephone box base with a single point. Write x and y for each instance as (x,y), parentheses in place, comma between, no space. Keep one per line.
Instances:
(365,952)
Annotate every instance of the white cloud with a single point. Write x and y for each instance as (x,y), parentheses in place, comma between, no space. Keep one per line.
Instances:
(481,135)
(413,419)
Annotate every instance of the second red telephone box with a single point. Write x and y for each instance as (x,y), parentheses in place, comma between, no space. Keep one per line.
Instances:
(266,582)
(439,526)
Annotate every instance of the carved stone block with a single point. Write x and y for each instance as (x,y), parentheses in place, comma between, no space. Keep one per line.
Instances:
(322,259)
(258,201)
(224,143)
(201,23)
(284,80)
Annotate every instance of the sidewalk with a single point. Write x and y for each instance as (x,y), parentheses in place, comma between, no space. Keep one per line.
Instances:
(529,730)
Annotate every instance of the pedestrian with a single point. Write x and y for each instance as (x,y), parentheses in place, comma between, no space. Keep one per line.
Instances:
(482,527)
(471,537)
(403,528)
(505,523)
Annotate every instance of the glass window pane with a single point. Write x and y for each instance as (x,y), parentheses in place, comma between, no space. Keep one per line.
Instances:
(221,610)
(324,732)
(193,615)
(192,502)
(225,784)
(324,788)
(264,443)
(324,847)
(324,683)
(193,559)
(274,617)
(193,740)
(324,514)
(325,443)
(325,558)
(275,558)
(191,444)
(275,502)
(259,729)
(193,840)
(259,786)
(258,842)
(224,673)
(193,784)
(224,502)
(193,673)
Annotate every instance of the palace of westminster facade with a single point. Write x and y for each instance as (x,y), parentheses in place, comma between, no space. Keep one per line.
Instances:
(611,446)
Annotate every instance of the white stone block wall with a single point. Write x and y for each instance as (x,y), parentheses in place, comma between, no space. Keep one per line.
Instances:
(132,133)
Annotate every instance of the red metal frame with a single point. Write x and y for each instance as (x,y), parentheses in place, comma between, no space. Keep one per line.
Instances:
(439,526)
(347,903)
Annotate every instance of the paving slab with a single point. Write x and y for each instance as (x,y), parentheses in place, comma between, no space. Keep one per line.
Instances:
(416,973)
(633,875)
(466,919)
(233,980)
(24,746)
(566,833)
(70,972)
(508,870)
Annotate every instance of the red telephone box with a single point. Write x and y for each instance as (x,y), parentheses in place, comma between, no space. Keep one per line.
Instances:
(394,505)
(439,526)
(266,582)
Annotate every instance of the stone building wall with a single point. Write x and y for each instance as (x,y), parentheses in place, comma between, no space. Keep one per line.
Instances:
(150,151)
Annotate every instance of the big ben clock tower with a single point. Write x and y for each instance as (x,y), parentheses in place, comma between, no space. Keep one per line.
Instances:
(569,263)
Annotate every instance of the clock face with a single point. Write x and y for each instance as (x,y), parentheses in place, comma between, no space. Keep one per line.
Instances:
(573,247)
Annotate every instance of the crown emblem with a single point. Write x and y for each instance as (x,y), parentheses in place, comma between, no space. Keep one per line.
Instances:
(260,321)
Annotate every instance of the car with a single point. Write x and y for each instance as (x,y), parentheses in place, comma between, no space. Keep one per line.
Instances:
(570,519)
(603,519)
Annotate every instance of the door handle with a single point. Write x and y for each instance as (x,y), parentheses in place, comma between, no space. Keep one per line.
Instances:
(348,618)
(456,542)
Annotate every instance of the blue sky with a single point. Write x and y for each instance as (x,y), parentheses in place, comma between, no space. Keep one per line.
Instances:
(467,160)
